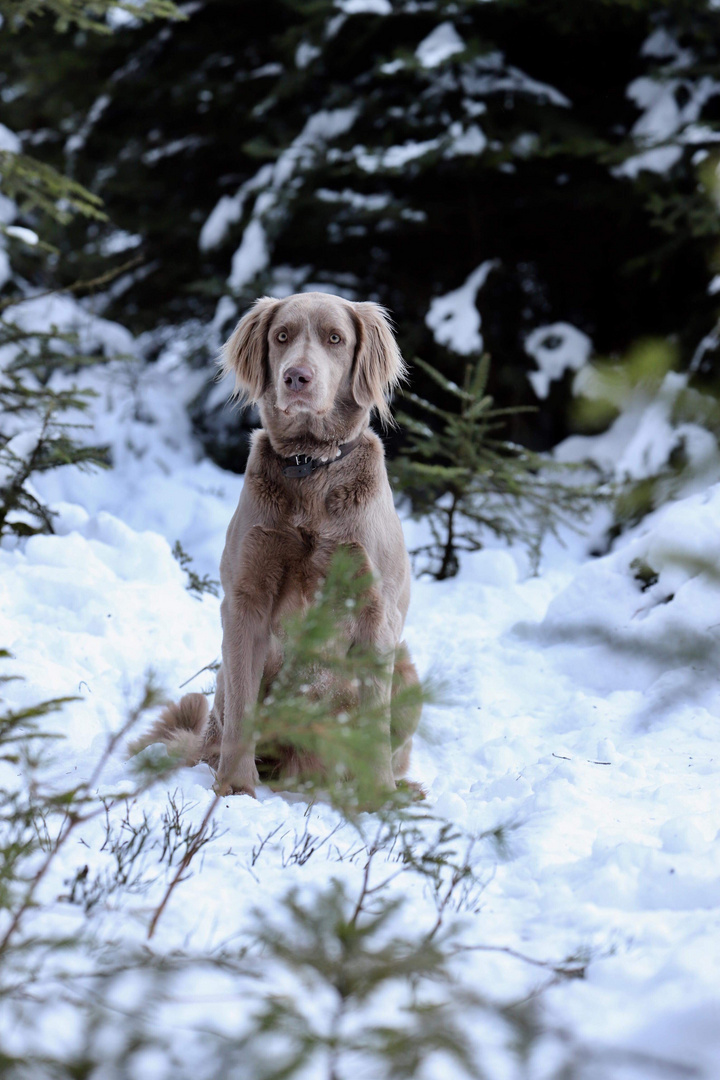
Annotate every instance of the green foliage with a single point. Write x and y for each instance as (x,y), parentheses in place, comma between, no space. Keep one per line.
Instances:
(352,956)
(335,731)
(465,479)
(85,14)
(35,185)
(606,386)
(646,377)
(196,585)
(34,434)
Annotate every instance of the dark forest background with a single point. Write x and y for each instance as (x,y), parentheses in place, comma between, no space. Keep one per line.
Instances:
(524,130)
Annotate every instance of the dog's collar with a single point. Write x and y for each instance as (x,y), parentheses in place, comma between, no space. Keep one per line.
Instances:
(302,465)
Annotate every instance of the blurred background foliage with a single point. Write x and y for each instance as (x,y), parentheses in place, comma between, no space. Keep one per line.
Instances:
(531,179)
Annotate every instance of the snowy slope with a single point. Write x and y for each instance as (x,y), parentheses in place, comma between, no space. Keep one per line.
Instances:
(580,710)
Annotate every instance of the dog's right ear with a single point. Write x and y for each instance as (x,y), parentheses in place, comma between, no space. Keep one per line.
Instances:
(244,354)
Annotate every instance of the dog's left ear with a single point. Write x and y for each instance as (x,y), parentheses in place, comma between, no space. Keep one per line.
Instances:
(379,367)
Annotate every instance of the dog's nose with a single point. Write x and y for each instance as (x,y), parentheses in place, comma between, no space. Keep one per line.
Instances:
(297,378)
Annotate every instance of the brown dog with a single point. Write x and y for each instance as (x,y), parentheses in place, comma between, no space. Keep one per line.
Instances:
(316,366)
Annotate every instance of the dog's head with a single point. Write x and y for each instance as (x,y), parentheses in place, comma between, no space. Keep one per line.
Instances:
(314,357)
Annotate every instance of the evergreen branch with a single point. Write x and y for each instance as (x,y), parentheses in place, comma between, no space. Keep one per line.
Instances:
(36,185)
(85,14)
(80,285)
(444,383)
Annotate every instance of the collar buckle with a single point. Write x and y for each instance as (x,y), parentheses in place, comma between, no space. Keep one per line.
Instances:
(303,465)
(299,465)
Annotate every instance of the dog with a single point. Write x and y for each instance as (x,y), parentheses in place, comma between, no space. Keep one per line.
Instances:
(316,366)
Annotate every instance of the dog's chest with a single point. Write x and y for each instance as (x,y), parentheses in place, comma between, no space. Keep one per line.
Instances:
(306,509)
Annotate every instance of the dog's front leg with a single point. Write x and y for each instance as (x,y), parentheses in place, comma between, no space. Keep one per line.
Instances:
(246,636)
(373,630)
(375,696)
(250,593)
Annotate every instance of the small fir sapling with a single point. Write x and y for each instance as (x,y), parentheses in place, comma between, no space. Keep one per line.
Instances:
(333,731)
(35,433)
(466,480)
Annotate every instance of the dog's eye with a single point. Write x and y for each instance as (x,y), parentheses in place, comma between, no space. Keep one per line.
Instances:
(335,339)
(282,336)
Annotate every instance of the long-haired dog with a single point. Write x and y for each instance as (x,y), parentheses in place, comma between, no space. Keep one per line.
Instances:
(316,365)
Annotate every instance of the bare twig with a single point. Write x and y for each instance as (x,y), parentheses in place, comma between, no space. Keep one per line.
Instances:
(570,969)
(208,667)
(187,858)
(72,820)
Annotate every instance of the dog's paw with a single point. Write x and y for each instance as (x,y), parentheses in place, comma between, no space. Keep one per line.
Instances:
(236,774)
(224,788)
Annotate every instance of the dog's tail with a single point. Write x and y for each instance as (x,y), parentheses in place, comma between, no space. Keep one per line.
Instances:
(181,727)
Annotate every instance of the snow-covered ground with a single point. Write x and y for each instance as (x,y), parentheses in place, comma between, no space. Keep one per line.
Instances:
(581,712)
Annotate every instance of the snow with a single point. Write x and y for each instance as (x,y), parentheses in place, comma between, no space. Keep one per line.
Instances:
(637,444)
(442,43)
(556,348)
(77,140)
(470,140)
(364,7)
(95,335)
(253,254)
(8,210)
(454,318)
(662,116)
(9,140)
(305,54)
(395,157)
(176,146)
(229,208)
(663,45)
(392,67)
(581,710)
(658,160)
(490,74)
(355,199)
(251,257)
(665,126)
(27,236)
(118,241)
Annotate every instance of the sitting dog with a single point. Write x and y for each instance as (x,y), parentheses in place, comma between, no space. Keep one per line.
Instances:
(316,365)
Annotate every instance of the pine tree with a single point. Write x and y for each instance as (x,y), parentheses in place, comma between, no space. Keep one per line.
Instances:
(466,480)
(37,400)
